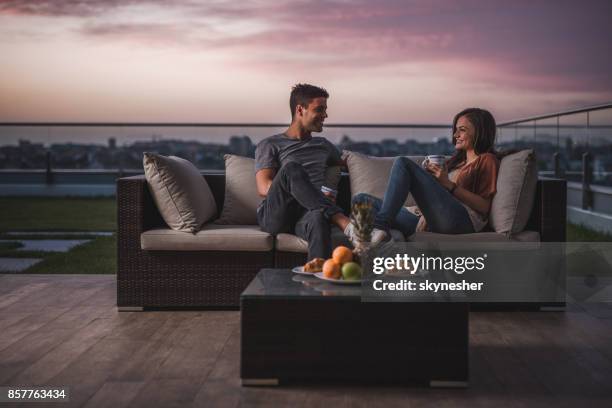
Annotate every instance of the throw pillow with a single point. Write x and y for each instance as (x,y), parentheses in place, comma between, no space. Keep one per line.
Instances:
(181,194)
(516,186)
(370,174)
(241,197)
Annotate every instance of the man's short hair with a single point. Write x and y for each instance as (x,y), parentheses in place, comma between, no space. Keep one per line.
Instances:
(303,94)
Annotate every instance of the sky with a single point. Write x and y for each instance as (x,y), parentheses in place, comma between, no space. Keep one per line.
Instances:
(235,61)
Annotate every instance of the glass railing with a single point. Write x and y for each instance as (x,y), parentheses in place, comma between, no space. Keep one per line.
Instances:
(120,146)
(576,144)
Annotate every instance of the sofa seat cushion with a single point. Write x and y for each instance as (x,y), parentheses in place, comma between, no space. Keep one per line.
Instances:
(292,243)
(524,236)
(210,238)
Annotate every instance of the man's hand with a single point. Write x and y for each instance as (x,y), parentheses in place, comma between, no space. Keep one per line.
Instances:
(264,178)
(330,197)
(440,173)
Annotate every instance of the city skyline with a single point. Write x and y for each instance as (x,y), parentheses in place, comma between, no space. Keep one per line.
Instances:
(398,62)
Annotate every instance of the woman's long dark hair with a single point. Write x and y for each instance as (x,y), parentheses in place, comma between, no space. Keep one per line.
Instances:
(484,134)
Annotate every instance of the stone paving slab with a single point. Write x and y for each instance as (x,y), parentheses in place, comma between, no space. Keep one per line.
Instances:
(14,265)
(48,245)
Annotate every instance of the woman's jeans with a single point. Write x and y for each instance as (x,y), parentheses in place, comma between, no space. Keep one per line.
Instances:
(443,212)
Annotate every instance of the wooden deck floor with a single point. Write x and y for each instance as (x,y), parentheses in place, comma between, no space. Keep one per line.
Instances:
(58,330)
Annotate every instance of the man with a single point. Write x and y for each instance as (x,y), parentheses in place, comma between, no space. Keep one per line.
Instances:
(290,170)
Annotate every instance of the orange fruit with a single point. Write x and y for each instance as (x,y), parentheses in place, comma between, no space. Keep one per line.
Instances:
(331,269)
(342,255)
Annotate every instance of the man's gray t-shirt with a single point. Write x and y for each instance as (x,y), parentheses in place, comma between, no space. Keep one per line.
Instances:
(315,154)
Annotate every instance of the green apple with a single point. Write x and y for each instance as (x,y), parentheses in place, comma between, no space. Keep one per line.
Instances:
(351,271)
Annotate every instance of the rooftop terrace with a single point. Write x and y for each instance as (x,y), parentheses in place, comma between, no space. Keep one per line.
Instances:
(64,330)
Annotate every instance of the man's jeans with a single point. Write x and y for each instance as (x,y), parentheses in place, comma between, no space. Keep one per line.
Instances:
(294,205)
(443,212)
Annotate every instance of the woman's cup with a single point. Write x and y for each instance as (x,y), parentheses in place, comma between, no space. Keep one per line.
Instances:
(435,159)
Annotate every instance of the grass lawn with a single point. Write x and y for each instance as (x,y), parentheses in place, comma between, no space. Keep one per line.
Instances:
(592,259)
(98,256)
(578,233)
(57,214)
(62,214)
(8,246)
(95,257)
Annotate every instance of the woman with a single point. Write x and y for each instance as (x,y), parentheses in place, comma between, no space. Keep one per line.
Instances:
(451,199)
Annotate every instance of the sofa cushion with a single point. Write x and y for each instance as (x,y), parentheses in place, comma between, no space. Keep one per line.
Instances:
(487,237)
(181,194)
(210,238)
(241,197)
(370,174)
(292,243)
(516,186)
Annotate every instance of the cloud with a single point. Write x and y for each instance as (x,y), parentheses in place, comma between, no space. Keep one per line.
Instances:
(141,33)
(546,45)
(78,8)
(66,8)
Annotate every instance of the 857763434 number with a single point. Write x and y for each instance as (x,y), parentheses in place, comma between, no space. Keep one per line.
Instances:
(20,394)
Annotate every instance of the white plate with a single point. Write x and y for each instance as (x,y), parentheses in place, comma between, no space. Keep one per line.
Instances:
(300,271)
(338,281)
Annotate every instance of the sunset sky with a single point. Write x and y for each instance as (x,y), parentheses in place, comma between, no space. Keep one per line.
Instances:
(235,61)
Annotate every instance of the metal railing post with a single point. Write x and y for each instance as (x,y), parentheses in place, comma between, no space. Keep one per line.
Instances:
(48,170)
(120,169)
(556,166)
(587,194)
(515,134)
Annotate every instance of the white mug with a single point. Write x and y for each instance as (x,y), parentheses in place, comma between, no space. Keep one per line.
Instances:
(435,159)
(328,190)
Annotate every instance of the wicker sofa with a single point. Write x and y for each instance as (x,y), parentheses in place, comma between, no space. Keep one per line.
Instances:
(178,276)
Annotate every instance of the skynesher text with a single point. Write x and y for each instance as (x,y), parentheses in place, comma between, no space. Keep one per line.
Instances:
(427,285)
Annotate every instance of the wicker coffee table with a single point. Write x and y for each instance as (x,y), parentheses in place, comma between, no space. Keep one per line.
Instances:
(296,327)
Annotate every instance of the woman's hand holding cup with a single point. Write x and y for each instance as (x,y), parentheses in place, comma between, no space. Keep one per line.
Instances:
(436,167)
